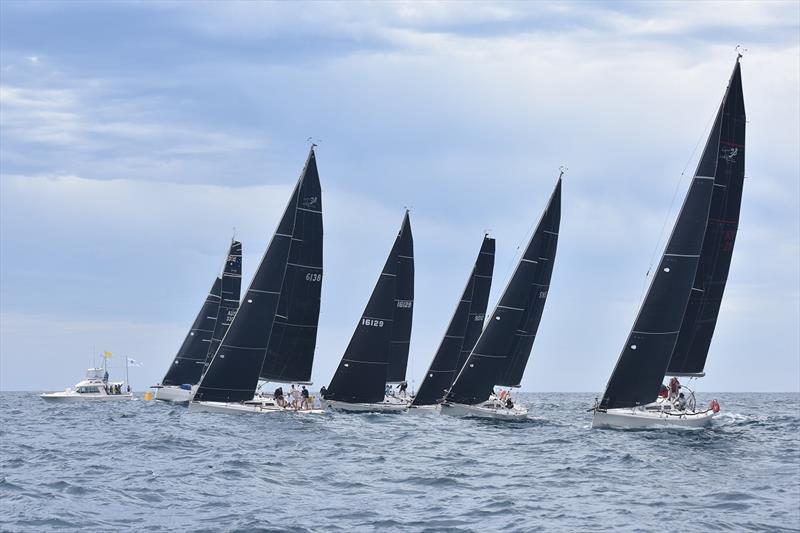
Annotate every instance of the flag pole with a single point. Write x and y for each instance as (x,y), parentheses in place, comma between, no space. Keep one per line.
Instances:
(128,381)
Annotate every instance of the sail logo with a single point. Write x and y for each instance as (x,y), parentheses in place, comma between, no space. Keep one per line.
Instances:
(542,295)
(310,201)
(405,304)
(729,154)
(232,258)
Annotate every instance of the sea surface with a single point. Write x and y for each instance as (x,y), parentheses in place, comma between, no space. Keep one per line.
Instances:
(147,466)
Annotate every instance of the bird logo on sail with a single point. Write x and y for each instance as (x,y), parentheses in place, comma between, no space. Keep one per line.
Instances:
(729,154)
(310,201)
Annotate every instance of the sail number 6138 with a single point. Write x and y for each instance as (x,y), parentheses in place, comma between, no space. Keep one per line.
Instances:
(313,277)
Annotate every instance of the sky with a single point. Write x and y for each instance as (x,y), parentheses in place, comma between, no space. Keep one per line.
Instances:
(134,138)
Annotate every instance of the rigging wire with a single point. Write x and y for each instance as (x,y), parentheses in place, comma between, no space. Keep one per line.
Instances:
(679,181)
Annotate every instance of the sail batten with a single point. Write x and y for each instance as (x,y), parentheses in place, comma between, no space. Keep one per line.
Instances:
(501,352)
(460,337)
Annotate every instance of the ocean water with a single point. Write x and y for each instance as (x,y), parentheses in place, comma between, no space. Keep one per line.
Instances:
(146,466)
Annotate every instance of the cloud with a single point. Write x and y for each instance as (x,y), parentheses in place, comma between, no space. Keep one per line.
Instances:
(126,163)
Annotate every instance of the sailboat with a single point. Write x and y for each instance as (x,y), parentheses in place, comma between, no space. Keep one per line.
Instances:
(504,346)
(462,332)
(273,334)
(208,328)
(360,381)
(672,333)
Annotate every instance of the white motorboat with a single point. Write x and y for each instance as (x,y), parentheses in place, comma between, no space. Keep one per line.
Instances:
(94,387)
(388,405)
(173,393)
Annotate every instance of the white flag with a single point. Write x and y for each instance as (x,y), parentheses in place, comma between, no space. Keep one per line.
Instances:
(133,362)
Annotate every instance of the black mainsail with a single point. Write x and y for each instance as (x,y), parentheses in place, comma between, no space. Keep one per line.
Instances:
(230,293)
(503,348)
(361,376)
(187,366)
(404,304)
(290,355)
(700,319)
(233,373)
(462,332)
(651,343)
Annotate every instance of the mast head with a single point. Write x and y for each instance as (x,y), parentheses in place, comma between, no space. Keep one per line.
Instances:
(562,169)
(740,50)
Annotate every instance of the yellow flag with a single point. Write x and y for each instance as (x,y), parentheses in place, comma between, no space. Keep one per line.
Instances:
(107,355)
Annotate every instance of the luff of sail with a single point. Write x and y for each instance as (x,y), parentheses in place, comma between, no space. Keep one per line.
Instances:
(290,355)
(644,360)
(362,373)
(230,293)
(404,304)
(187,367)
(233,373)
(460,337)
(504,345)
(700,318)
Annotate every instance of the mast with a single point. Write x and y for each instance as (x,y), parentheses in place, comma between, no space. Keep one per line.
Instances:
(404,304)
(230,294)
(503,348)
(233,373)
(700,319)
(463,330)
(290,355)
(190,359)
(361,376)
(646,355)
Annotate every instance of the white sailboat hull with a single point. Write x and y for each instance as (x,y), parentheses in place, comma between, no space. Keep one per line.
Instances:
(171,393)
(383,407)
(71,396)
(642,418)
(424,409)
(485,410)
(248,407)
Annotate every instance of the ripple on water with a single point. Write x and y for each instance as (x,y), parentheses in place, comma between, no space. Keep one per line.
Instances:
(157,467)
